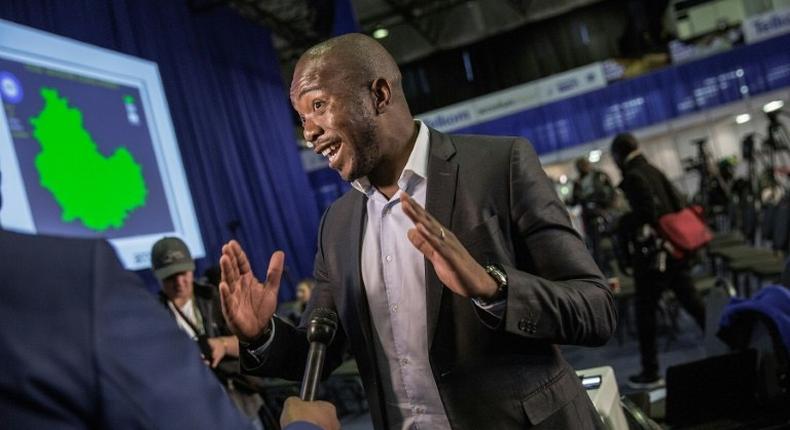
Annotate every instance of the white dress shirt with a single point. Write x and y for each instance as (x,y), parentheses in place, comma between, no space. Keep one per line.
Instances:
(393,271)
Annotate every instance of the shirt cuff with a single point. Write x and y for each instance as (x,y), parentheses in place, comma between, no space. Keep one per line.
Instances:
(259,353)
(495,309)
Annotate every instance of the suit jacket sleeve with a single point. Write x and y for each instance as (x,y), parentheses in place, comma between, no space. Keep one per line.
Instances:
(150,374)
(286,355)
(560,295)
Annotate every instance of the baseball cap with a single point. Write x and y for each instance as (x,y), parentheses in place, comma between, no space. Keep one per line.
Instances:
(169,256)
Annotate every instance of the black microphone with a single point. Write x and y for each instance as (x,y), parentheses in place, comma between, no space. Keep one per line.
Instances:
(320,332)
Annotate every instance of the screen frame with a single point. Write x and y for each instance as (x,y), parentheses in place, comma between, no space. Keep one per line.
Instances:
(25,44)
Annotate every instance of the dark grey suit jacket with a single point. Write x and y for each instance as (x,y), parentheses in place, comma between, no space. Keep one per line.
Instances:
(508,374)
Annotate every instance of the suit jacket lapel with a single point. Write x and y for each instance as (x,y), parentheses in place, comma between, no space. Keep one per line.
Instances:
(439,202)
(353,275)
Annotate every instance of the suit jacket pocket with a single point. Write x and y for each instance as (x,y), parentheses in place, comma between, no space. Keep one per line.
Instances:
(549,398)
(486,242)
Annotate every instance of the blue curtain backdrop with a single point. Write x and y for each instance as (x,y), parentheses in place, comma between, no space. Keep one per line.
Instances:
(230,111)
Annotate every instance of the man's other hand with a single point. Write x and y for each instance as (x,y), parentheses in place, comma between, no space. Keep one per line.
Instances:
(453,264)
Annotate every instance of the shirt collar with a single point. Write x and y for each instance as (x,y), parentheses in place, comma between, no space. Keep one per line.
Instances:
(187,306)
(416,166)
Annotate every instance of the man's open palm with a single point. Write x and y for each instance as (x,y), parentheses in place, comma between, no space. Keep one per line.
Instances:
(248,304)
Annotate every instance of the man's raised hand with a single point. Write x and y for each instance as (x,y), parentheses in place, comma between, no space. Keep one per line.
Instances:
(247,304)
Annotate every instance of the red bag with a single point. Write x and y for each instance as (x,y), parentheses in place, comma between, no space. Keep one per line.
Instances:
(685,229)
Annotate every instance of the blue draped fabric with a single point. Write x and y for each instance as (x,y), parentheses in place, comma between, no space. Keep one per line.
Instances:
(230,111)
(345,19)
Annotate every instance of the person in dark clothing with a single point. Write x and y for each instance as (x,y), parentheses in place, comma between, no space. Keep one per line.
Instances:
(651,195)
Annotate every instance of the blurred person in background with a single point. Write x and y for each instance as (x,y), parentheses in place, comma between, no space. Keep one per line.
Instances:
(594,192)
(651,195)
(303,292)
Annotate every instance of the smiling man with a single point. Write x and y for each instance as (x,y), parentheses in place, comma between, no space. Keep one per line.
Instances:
(452,264)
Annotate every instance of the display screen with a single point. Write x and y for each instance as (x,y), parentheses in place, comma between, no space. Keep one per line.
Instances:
(87,147)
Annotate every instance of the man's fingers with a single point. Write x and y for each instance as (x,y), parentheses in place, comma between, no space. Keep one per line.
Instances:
(435,239)
(419,241)
(409,207)
(418,215)
(224,255)
(275,272)
(229,273)
(418,211)
(234,265)
(242,262)
(234,260)
(215,361)
(225,297)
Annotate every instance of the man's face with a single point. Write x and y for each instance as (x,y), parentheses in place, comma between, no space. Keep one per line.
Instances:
(337,116)
(583,167)
(178,286)
(303,293)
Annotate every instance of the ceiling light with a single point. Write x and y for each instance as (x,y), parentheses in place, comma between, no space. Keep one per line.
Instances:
(595,156)
(773,105)
(381,33)
(743,118)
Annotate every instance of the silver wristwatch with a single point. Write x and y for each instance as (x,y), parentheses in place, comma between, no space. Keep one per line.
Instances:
(497,273)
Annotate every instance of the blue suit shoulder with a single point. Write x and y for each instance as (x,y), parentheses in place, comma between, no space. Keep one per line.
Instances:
(85,345)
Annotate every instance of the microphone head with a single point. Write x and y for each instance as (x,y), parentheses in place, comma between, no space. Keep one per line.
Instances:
(322,326)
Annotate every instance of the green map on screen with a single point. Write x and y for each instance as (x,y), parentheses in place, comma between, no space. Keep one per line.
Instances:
(100,191)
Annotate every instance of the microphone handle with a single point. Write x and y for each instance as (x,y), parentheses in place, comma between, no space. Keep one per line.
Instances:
(312,371)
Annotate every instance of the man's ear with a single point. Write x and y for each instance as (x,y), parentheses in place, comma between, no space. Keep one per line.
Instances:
(382,94)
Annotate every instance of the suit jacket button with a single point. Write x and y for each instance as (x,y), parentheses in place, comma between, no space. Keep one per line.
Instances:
(523,325)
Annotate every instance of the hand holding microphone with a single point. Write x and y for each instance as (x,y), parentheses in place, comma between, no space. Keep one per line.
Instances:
(322,414)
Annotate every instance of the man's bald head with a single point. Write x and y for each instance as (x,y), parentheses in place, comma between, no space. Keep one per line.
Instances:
(350,58)
(348,94)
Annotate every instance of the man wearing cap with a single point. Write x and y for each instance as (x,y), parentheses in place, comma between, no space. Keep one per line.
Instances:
(195,306)
(196,309)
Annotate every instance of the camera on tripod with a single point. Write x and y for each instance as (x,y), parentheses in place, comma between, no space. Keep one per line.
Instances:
(699,162)
(775,142)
